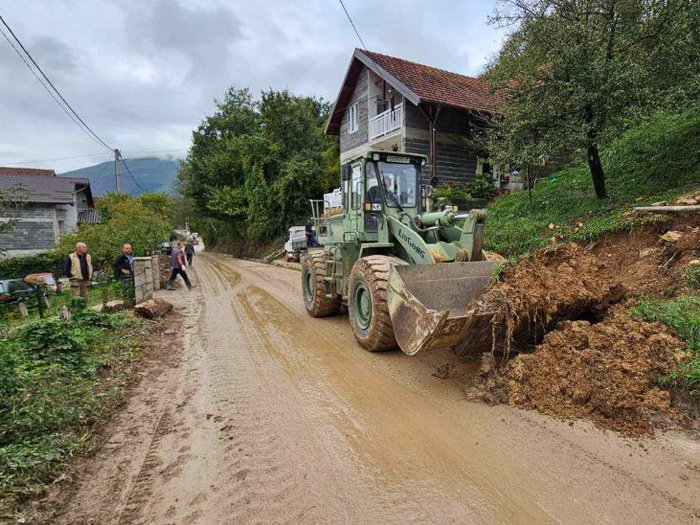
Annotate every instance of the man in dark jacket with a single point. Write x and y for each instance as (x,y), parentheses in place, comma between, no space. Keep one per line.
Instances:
(189,252)
(124,272)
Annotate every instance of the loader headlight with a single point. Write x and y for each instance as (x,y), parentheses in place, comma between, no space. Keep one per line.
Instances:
(375,157)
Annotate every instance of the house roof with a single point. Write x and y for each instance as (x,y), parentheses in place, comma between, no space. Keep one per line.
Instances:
(48,189)
(27,171)
(418,83)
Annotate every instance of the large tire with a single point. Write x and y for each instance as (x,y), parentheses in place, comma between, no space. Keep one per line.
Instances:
(313,290)
(367,302)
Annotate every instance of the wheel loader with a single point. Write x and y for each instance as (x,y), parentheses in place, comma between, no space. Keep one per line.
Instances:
(407,274)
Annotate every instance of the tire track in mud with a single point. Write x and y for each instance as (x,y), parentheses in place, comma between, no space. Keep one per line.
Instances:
(261,478)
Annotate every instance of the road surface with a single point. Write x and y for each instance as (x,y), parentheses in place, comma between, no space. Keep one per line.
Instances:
(265,415)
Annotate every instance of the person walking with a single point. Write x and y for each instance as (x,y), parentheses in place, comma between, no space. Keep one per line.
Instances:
(189,252)
(177,267)
(78,268)
(124,272)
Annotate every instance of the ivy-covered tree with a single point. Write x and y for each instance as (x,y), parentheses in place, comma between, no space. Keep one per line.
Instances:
(254,164)
(572,72)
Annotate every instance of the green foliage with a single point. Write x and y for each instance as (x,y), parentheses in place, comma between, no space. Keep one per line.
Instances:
(638,165)
(574,73)
(254,164)
(692,276)
(144,222)
(482,187)
(683,315)
(48,374)
(452,192)
(20,266)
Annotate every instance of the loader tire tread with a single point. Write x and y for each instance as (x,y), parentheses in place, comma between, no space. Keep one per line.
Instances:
(318,305)
(374,271)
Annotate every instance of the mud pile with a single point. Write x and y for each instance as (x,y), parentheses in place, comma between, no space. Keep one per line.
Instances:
(562,346)
(564,284)
(607,372)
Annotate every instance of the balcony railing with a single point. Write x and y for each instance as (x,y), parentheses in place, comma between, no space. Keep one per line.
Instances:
(386,122)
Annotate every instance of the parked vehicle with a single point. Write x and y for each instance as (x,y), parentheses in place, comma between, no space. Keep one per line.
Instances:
(296,243)
(48,278)
(14,292)
(166,248)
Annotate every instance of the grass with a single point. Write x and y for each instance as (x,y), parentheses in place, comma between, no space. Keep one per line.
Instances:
(657,161)
(51,394)
(682,314)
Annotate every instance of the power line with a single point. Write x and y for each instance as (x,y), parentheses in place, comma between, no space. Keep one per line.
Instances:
(63,158)
(51,84)
(353,24)
(132,175)
(45,86)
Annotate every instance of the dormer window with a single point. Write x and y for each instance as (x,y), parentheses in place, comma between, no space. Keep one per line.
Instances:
(352,118)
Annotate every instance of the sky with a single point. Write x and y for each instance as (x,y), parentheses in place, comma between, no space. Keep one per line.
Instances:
(143,74)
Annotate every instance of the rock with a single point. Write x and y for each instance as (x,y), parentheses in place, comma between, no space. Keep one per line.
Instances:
(687,202)
(551,226)
(671,236)
(694,262)
(646,252)
(153,308)
(169,332)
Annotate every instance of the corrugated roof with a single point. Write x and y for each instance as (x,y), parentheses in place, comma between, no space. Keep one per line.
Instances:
(26,171)
(417,82)
(58,190)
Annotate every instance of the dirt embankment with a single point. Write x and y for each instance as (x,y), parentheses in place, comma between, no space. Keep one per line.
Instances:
(576,353)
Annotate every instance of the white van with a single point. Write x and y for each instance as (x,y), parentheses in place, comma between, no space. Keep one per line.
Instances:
(296,243)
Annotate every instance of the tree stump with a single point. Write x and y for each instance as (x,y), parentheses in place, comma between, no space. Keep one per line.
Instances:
(153,308)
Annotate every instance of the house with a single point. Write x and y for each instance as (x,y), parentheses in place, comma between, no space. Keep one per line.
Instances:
(388,103)
(51,206)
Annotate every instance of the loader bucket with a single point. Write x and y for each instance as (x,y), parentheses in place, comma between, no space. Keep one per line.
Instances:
(430,305)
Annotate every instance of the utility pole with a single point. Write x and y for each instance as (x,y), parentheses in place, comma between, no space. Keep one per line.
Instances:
(117,170)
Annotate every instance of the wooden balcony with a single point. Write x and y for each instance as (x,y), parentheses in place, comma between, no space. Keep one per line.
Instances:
(386,122)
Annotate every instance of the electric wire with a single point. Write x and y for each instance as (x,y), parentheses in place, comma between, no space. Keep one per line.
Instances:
(102,171)
(45,86)
(132,175)
(62,158)
(51,84)
(353,25)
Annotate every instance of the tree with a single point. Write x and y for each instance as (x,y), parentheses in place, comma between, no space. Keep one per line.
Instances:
(254,164)
(573,71)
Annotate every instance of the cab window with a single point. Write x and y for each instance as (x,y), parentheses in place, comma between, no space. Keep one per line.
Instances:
(356,182)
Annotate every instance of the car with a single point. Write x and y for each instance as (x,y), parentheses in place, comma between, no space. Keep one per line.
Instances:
(165,248)
(296,243)
(48,278)
(15,291)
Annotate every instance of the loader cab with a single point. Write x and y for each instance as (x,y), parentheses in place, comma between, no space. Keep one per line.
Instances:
(380,183)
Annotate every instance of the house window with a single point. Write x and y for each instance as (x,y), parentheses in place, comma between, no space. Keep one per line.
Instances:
(352,118)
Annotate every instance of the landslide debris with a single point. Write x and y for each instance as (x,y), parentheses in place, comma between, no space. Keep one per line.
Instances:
(563,343)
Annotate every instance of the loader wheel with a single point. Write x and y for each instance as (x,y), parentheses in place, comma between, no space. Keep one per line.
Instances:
(367,302)
(313,270)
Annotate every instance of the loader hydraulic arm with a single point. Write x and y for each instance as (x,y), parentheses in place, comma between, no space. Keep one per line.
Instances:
(472,238)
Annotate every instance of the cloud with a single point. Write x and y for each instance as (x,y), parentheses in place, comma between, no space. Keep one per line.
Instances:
(144,74)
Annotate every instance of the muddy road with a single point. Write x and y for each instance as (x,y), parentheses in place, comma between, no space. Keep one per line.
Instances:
(265,415)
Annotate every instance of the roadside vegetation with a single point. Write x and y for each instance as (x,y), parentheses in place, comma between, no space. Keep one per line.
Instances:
(682,314)
(658,160)
(57,381)
(255,163)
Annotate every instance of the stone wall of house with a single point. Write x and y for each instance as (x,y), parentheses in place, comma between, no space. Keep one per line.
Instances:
(349,141)
(37,229)
(456,162)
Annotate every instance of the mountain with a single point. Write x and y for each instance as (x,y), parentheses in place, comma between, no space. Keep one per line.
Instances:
(152,173)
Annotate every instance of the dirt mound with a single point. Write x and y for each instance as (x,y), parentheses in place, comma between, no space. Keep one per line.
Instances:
(576,354)
(606,371)
(542,290)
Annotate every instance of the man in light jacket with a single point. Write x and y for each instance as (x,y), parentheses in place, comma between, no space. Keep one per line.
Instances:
(78,268)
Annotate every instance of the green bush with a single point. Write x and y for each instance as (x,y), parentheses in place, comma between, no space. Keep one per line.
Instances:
(692,276)
(482,187)
(682,314)
(44,262)
(48,401)
(452,192)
